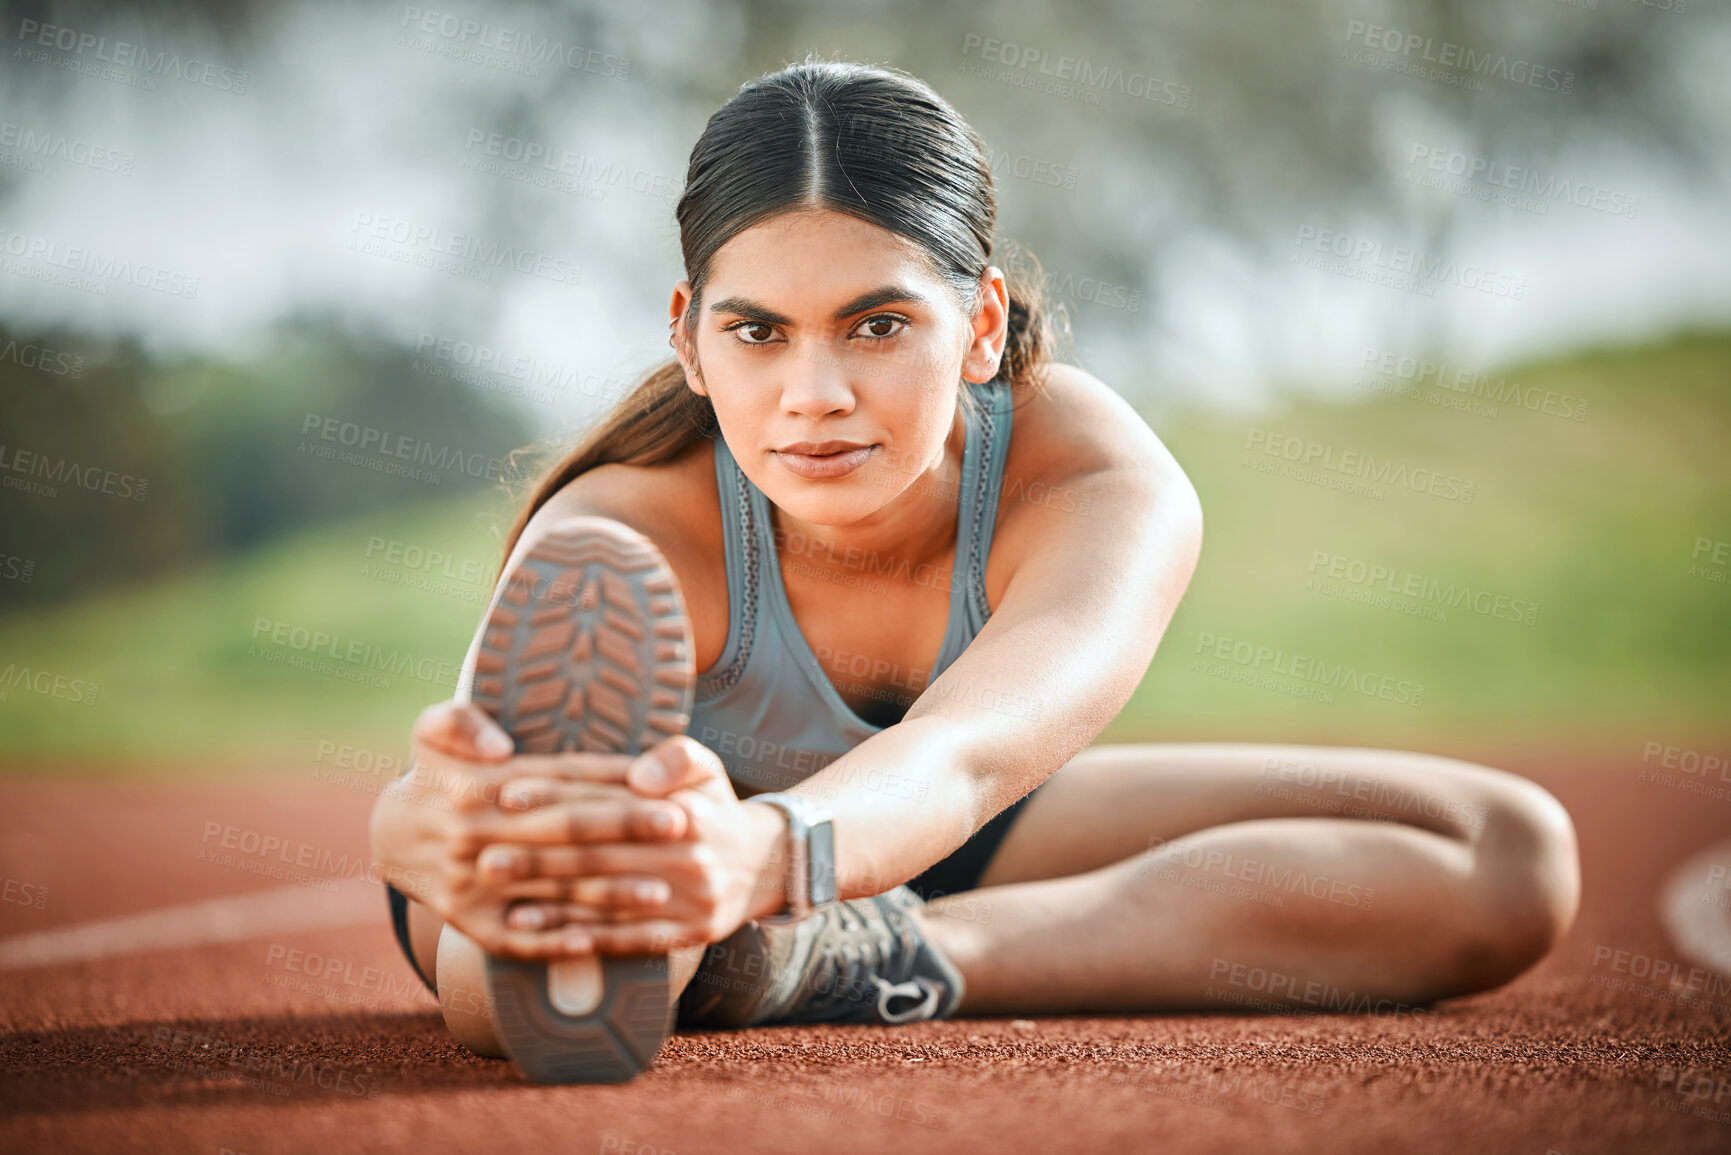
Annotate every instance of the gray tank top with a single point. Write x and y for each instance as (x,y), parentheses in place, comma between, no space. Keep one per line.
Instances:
(766,706)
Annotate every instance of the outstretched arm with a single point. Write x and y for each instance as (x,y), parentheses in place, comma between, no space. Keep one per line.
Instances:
(1098,573)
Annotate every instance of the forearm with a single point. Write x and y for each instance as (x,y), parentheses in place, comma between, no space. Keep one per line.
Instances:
(900,800)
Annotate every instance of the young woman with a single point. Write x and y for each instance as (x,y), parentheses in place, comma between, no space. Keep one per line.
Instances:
(866,543)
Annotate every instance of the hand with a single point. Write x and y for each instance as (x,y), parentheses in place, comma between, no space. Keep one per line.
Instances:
(429,827)
(722,872)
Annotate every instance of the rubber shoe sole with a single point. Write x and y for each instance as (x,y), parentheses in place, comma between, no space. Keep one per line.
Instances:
(587,647)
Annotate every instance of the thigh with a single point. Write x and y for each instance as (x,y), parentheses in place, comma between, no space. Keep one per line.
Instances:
(1113,801)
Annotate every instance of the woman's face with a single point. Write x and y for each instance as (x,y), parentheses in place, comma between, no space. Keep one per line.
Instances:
(819,327)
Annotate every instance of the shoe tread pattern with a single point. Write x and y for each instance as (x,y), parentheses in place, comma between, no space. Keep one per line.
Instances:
(588,647)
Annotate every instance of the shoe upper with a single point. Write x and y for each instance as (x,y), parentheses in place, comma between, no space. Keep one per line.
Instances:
(859,960)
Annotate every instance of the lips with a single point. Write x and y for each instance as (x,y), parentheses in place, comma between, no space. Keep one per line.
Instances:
(822,460)
(821,448)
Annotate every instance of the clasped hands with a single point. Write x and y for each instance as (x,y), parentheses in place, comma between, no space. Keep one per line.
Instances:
(554,855)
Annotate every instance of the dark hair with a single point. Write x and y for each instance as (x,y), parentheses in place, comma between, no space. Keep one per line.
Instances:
(871,141)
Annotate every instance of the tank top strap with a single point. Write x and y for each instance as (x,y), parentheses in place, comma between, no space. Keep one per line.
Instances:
(741,545)
(977,497)
(980,486)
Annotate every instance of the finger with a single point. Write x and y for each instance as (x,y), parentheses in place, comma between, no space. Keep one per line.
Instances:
(503,862)
(569,941)
(575,766)
(636,820)
(652,936)
(674,763)
(521,794)
(462,730)
(593,900)
(531,793)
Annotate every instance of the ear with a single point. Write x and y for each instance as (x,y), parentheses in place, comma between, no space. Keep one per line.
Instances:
(991,328)
(679,337)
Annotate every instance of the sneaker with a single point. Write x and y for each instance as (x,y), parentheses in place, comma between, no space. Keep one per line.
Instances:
(863,960)
(587,647)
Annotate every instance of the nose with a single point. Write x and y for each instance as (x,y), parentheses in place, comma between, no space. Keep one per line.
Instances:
(816,384)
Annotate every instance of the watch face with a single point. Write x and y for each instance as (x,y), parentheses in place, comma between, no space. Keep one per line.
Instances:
(821,839)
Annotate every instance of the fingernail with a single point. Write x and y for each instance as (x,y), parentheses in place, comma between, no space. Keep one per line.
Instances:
(646,892)
(530,918)
(495,743)
(496,861)
(578,943)
(661,822)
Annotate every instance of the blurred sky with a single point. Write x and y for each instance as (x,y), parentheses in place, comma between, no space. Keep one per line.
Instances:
(1267,120)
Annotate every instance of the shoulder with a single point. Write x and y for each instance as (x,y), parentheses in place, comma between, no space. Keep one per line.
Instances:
(1072,426)
(673,503)
(1085,476)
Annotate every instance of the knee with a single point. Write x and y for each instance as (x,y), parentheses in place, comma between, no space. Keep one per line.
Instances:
(1528,872)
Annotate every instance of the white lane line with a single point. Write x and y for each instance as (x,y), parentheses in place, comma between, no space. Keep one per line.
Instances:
(280,910)
(1693,906)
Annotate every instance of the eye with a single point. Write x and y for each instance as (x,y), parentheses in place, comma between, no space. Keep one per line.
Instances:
(874,334)
(739,326)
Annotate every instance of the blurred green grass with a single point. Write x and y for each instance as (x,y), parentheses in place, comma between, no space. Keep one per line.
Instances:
(1593,521)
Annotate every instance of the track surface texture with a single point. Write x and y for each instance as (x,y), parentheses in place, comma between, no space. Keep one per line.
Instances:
(319,1039)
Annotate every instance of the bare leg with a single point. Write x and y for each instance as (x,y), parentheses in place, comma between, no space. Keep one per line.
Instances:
(1449,878)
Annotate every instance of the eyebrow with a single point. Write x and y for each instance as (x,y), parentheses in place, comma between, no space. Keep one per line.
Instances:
(883,295)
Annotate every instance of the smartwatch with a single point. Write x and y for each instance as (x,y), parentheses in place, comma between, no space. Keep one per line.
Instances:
(809,855)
